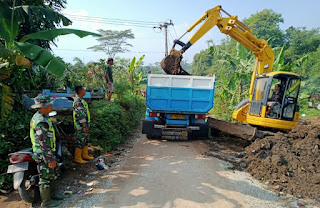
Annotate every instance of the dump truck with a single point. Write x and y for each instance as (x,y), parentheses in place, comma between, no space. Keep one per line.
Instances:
(177,106)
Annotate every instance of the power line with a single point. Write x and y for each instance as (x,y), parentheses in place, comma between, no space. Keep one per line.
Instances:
(124,22)
(114,19)
(111,23)
(175,32)
(170,35)
(67,49)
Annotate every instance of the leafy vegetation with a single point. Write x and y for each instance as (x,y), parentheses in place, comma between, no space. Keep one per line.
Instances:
(113,122)
(14,133)
(131,69)
(18,54)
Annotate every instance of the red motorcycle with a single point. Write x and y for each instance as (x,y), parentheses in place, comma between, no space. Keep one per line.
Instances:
(24,168)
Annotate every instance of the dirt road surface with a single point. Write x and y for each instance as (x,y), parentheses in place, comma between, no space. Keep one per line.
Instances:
(178,174)
(162,174)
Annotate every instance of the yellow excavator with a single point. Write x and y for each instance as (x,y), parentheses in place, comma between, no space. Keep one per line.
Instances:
(264,108)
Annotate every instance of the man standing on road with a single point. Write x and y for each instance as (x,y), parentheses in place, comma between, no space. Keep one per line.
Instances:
(109,78)
(81,118)
(43,141)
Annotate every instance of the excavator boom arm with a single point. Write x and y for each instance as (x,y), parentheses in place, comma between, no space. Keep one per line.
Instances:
(237,30)
(234,28)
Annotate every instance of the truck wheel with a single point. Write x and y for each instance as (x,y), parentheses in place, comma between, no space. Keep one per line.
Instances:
(29,193)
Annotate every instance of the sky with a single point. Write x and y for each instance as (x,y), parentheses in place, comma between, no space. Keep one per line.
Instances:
(101,14)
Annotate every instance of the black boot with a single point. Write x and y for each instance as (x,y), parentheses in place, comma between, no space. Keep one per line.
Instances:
(46,198)
(54,195)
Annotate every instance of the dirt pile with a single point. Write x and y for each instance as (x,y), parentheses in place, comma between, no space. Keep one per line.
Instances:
(289,162)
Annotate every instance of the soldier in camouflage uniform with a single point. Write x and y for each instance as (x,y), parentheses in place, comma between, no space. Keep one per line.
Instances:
(81,117)
(43,140)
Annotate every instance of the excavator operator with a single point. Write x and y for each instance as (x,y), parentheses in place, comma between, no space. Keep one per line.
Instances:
(276,98)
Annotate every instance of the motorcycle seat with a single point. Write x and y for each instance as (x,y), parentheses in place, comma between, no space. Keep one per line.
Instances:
(24,151)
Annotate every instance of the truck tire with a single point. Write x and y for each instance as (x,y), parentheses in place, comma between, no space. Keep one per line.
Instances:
(31,194)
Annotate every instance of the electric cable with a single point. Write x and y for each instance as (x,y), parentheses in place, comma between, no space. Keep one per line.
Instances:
(124,22)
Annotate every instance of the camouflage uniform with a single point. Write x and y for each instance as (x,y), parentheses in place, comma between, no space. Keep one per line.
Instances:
(81,116)
(43,140)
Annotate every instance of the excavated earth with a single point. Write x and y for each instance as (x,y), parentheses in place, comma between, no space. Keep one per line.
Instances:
(288,162)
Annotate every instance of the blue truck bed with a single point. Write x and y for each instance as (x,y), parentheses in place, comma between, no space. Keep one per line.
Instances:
(177,106)
(180,94)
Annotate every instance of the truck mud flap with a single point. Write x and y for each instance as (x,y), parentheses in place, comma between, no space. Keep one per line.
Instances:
(148,128)
(202,133)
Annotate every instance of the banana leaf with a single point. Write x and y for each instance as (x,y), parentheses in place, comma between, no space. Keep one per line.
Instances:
(280,60)
(53,33)
(7,100)
(8,23)
(42,57)
(139,61)
(28,11)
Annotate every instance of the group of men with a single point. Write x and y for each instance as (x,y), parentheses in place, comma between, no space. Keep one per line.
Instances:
(43,138)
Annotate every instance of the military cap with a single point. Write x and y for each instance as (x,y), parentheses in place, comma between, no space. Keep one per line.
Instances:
(42,101)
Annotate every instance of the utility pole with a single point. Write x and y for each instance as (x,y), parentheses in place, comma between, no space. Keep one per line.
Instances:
(165,26)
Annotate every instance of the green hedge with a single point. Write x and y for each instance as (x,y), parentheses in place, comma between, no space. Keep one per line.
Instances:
(112,123)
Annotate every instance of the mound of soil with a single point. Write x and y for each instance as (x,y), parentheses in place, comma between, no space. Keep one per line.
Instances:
(289,162)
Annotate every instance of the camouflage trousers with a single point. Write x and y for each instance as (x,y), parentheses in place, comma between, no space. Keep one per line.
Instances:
(46,174)
(82,138)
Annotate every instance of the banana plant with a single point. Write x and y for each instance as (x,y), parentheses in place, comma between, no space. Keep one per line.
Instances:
(279,62)
(227,96)
(23,52)
(133,65)
(138,77)
(232,85)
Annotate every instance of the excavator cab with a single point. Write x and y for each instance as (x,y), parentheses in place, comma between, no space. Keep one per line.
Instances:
(274,100)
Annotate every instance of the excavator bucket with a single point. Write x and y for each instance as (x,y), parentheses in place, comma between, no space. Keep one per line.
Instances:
(171,63)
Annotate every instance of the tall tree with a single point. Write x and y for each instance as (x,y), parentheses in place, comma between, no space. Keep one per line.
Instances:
(113,42)
(300,42)
(202,62)
(266,25)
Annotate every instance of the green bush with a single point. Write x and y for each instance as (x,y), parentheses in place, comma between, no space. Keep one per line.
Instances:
(120,88)
(13,130)
(112,123)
